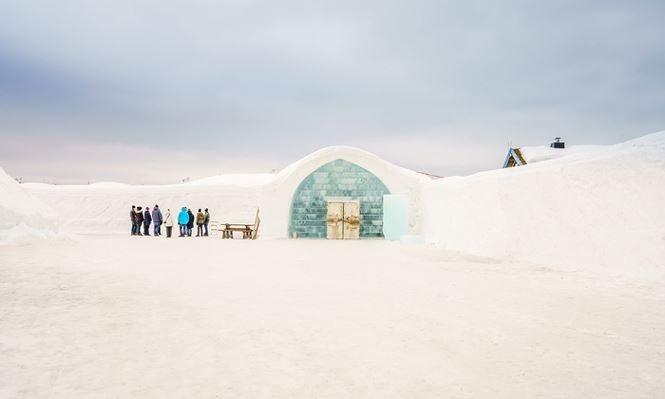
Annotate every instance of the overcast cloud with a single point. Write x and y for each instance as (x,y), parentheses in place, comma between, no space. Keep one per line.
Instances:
(154,91)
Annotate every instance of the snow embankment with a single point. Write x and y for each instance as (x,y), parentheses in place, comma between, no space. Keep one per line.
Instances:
(103,208)
(22,217)
(600,209)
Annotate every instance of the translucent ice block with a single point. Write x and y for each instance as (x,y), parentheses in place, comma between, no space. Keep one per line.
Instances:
(395,216)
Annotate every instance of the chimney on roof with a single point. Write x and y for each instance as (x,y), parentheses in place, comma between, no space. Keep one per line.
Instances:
(558,143)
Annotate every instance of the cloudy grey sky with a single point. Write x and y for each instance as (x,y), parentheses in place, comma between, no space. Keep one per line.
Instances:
(154,91)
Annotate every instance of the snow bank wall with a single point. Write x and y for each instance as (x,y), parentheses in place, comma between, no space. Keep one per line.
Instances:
(22,216)
(602,209)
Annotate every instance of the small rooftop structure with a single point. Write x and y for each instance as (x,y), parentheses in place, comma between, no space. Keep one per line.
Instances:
(558,143)
(514,158)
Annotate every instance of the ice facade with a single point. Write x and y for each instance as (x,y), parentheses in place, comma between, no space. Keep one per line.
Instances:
(337,179)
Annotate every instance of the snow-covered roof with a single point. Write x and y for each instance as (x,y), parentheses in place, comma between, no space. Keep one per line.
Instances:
(545,153)
(534,154)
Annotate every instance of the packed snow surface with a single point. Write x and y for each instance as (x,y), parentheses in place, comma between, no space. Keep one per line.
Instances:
(144,317)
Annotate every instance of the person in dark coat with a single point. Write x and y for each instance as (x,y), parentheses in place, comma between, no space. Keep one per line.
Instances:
(206,220)
(157,220)
(139,220)
(190,222)
(132,217)
(200,218)
(147,218)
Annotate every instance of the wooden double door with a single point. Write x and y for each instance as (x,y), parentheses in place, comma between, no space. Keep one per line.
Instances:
(343,220)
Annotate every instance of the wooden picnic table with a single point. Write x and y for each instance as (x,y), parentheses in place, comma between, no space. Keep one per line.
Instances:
(249,230)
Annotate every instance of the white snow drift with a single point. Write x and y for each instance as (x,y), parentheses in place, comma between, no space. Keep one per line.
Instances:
(22,216)
(599,208)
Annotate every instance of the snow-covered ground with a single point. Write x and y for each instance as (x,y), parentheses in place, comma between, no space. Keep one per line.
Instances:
(122,317)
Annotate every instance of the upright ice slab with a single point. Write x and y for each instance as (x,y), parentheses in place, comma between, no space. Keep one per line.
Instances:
(395,216)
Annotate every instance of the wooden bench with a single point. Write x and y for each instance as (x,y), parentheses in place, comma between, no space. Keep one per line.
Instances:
(249,231)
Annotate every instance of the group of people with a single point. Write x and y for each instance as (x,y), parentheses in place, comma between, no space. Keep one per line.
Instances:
(186,219)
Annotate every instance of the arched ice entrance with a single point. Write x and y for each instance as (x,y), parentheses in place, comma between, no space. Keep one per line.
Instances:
(338,181)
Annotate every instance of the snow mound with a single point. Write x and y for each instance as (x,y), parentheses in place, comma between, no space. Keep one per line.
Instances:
(602,208)
(239,179)
(22,217)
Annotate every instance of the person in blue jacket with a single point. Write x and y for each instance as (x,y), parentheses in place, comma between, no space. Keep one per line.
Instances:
(183,218)
(147,218)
